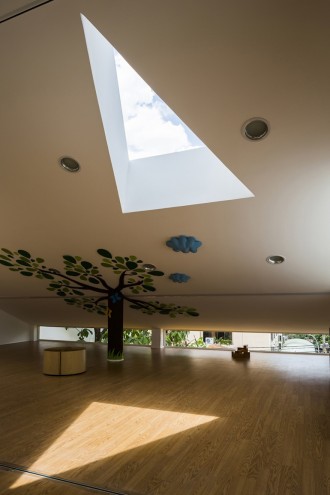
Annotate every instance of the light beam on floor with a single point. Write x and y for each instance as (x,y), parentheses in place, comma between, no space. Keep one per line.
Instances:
(105,430)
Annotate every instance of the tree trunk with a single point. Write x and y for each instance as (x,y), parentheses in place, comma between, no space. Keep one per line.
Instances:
(97,332)
(115,330)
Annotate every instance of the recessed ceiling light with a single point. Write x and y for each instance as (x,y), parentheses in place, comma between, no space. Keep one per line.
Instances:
(275,259)
(255,129)
(148,267)
(69,164)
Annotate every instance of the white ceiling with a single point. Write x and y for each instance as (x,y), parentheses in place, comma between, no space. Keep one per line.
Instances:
(12,8)
(216,64)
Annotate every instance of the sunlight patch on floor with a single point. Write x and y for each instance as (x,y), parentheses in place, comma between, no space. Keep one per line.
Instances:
(102,431)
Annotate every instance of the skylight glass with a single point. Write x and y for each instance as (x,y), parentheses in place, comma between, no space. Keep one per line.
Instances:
(151,127)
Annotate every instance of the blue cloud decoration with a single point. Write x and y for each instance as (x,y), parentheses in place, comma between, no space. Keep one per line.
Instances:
(184,244)
(179,277)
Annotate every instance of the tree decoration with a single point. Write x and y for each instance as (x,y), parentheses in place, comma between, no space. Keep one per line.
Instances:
(81,284)
(184,244)
(179,277)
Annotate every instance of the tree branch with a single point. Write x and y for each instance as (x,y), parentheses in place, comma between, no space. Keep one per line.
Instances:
(81,284)
(121,284)
(121,281)
(142,304)
(100,299)
(103,282)
(133,285)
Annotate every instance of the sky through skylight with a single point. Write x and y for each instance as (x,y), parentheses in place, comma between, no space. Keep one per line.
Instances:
(151,127)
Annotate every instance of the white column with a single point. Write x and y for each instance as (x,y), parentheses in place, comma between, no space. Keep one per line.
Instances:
(35,333)
(157,338)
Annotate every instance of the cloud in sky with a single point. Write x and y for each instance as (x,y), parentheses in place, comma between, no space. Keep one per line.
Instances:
(151,126)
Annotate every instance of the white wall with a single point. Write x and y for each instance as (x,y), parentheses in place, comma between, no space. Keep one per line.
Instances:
(13,330)
(60,333)
(253,340)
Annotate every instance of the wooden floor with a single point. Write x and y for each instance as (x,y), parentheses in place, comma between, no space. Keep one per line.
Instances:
(171,422)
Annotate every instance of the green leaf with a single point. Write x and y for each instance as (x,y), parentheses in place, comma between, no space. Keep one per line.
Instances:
(131,265)
(69,258)
(24,263)
(77,292)
(72,274)
(192,313)
(104,253)
(93,280)
(6,251)
(122,267)
(107,265)
(45,275)
(40,260)
(165,312)
(149,288)
(69,266)
(87,265)
(26,274)
(120,259)
(6,263)
(24,253)
(56,286)
(156,273)
(133,258)
(61,293)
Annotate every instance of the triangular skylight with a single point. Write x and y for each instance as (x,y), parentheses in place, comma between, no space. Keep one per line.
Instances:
(151,127)
(149,174)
